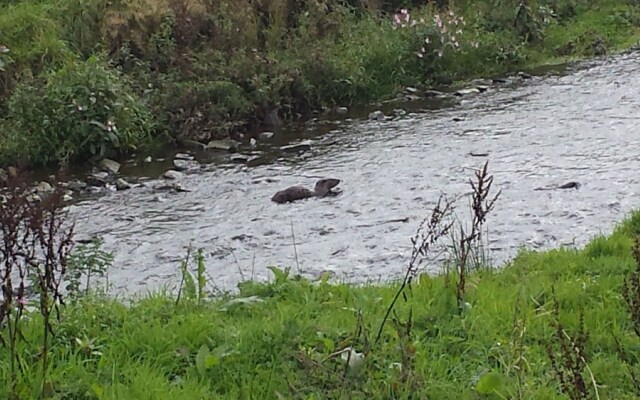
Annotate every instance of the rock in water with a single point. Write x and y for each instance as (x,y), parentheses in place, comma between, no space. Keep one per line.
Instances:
(186,165)
(44,187)
(266,135)
(77,185)
(172,174)
(227,145)
(121,184)
(110,165)
(377,116)
(570,185)
(293,148)
(183,156)
(433,93)
(464,92)
(98,179)
(239,158)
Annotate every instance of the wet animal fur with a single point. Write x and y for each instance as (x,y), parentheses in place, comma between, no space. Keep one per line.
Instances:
(323,188)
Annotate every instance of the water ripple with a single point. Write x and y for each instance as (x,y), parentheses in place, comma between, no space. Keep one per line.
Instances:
(578,127)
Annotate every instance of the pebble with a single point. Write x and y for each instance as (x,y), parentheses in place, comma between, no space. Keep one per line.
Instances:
(186,165)
(172,174)
(266,135)
(110,165)
(121,184)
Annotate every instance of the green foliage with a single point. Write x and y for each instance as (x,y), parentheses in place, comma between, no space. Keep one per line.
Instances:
(33,37)
(193,289)
(80,110)
(211,68)
(86,261)
(489,383)
(203,109)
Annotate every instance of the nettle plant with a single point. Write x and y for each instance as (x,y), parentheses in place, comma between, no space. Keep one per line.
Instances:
(437,35)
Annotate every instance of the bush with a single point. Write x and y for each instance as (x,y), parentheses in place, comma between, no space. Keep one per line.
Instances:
(81,110)
(203,109)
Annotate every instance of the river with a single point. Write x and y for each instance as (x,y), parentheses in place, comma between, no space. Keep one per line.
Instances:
(581,125)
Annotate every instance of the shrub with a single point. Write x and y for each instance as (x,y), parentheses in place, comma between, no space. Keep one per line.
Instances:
(203,109)
(81,110)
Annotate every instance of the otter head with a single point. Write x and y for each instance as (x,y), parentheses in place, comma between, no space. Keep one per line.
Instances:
(324,186)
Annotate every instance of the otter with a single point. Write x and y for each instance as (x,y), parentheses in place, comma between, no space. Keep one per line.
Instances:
(568,185)
(323,188)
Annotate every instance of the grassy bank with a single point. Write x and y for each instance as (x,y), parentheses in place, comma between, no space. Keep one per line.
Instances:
(552,325)
(279,344)
(86,77)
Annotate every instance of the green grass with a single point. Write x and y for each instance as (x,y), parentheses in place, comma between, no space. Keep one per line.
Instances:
(281,346)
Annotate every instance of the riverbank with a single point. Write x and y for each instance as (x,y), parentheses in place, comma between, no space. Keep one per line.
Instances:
(516,336)
(113,78)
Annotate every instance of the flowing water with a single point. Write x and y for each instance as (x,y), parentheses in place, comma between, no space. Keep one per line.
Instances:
(582,125)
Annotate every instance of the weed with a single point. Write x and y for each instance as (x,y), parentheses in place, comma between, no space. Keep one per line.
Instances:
(193,289)
(429,232)
(631,289)
(625,358)
(631,295)
(571,363)
(467,243)
(34,249)
(518,363)
(86,261)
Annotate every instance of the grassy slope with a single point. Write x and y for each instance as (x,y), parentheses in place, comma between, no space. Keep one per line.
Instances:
(213,85)
(279,348)
(610,21)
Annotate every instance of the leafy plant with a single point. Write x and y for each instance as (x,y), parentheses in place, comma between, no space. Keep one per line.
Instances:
(81,110)
(34,248)
(193,289)
(87,260)
(205,109)
(569,361)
